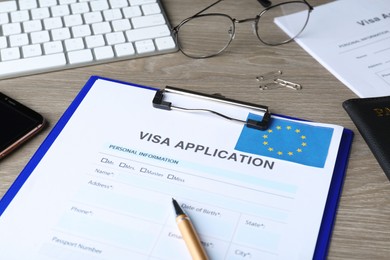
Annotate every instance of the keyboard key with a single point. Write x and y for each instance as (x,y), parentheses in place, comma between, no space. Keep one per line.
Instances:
(112,14)
(151,9)
(64,2)
(27,4)
(29,65)
(118,3)
(147,21)
(18,40)
(115,38)
(100,28)
(94,41)
(147,33)
(99,5)
(10,54)
(40,37)
(11,28)
(44,3)
(32,50)
(121,25)
(32,26)
(60,34)
(60,10)
(52,23)
(93,17)
(141,2)
(53,47)
(81,31)
(132,11)
(124,49)
(165,43)
(80,56)
(8,6)
(79,8)
(19,16)
(102,53)
(40,13)
(144,46)
(74,44)
(73,20)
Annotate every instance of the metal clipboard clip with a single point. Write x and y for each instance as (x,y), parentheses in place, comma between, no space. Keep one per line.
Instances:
(159,102)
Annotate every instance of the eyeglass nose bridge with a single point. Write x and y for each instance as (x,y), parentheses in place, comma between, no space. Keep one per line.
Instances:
(254,21)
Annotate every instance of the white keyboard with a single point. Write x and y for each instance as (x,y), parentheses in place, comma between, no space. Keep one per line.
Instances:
(46,35)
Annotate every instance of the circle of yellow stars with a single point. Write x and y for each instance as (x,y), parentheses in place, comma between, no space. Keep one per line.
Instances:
(291,152)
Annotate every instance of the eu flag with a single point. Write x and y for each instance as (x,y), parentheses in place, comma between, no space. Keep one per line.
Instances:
(288,140)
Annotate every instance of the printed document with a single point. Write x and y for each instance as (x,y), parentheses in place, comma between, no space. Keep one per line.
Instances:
(351,38)
(104,187)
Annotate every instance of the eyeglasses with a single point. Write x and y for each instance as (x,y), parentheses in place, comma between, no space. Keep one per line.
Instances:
(207,35)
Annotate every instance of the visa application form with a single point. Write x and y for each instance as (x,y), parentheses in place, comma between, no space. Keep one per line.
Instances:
(103,188)
(350,38)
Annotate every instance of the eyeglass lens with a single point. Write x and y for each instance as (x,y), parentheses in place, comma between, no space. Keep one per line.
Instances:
(270,33)
(205,35)
(209,34)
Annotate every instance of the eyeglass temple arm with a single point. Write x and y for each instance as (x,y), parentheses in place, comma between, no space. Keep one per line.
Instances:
(264,3)
(310,6)
(208,7)
(268,3)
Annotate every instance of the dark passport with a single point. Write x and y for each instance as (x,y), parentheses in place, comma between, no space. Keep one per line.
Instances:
(372,118)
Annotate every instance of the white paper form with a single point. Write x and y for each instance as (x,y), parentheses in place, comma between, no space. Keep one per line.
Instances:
(104,188)
(351,38)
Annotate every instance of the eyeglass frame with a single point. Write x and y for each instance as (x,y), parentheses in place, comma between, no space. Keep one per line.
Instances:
(265,3)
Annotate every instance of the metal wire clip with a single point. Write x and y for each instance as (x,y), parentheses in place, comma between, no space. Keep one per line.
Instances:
(270,75)
(288,84)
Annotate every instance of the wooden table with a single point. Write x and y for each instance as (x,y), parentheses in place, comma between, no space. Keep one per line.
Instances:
(362,229)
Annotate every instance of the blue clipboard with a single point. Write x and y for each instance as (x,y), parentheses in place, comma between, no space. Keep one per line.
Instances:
(334,194)
(331,206)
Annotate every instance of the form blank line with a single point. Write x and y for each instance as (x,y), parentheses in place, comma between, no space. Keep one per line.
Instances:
(386,49)
(205,178)
(364,45)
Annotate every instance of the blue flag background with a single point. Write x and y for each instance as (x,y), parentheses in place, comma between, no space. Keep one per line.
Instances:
(288,140)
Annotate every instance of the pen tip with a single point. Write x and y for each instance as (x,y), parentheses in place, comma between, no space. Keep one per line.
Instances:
(177,207)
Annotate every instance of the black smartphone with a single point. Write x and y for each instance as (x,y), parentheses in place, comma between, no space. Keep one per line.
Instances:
(18,124)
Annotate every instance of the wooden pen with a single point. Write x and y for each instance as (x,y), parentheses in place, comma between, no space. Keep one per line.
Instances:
(189,234)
